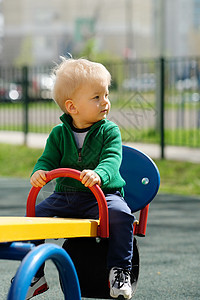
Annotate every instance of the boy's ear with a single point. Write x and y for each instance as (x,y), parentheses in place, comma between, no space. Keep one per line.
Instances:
(70,107)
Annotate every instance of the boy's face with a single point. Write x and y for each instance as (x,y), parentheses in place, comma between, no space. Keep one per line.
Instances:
(92,104)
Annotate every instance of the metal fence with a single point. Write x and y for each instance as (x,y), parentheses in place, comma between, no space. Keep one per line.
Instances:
(182,102)
(153,101)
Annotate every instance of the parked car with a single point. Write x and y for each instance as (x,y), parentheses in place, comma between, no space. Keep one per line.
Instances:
(143,82)
(3,88)
(10,91)
(41,86)
(187,84)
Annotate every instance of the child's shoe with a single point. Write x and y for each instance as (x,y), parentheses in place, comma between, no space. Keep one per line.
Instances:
(38,286)
(120,283)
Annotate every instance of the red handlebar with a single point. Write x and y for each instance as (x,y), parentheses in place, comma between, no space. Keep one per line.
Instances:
(103,230)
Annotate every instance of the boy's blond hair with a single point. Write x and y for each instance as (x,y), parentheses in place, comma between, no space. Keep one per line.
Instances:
(71,74)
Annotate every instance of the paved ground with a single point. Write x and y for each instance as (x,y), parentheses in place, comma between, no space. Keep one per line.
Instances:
(169,254)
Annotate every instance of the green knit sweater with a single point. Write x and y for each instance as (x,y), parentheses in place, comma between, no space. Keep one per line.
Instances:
(101,152)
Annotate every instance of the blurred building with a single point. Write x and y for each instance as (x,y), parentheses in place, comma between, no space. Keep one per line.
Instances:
(1,29)
(38,32)
(41,30)
(182,27)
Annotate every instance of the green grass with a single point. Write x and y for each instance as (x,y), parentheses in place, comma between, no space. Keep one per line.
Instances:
(130,134)
(179,177)
(180,137)
(176,177)
(31,128)
(17,161)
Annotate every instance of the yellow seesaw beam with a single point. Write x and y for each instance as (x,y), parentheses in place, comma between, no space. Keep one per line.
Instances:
(27,228)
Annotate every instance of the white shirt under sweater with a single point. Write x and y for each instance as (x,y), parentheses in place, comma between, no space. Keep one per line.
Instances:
(79,135)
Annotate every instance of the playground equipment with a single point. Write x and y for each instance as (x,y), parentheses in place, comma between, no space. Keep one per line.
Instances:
(142,178)
(31,263)
(89,256)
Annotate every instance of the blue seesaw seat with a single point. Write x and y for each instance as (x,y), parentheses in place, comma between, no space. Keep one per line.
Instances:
(142,183)
(141,176)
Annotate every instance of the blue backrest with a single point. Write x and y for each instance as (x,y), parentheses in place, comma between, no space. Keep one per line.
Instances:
(142,178)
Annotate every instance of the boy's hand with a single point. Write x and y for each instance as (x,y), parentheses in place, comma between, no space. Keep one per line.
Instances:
(90,178)
(38,179)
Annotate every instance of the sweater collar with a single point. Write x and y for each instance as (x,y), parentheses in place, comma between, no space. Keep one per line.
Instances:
(67,120)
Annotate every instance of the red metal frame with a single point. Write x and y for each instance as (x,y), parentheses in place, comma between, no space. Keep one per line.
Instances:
(103,229)
(140,229)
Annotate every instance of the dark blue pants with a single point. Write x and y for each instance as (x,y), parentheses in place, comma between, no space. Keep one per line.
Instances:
(84,205)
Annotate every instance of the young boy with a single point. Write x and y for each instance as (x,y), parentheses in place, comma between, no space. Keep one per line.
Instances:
(88,142)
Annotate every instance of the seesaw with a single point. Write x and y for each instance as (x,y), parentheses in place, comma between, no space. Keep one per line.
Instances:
(88,255)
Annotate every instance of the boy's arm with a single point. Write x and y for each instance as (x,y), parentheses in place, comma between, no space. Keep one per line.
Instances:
(50,159)
(109,162)
(111,156)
